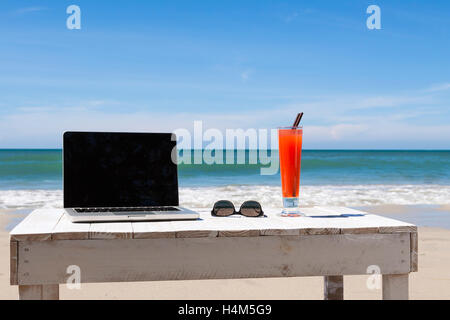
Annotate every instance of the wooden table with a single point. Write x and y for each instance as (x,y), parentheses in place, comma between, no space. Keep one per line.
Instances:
(45,244)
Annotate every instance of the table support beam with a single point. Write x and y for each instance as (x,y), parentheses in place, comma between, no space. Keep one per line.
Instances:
(39,292)
(334,287)
(395,286)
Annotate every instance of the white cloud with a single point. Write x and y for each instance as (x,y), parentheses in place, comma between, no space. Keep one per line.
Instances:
(341,121)
(28,10)
(44,128)
(391,101)
(439,87)
(291,17)
(245,75)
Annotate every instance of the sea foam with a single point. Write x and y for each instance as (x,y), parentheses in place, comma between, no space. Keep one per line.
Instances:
(268,196)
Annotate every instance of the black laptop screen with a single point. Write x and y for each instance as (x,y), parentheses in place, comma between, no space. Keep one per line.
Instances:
(119,170)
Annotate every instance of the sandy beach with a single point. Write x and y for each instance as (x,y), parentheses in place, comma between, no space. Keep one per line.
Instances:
(431,282)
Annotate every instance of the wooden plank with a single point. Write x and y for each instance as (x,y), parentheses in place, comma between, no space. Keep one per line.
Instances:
(315,226)
(319,231)
(358,225)
(279,232)
(393,229)
(278,226)
(240,227)
(110,230)
(239,233)
(153,230)
(13,256)
(38,225)
(388,225)
(414,251)
(333,288)
(195,229)
(319,212)
(212,258)
(50,292)
(373,224)
(208,226)
(196,234)
(395,287)
(359,230)
(341,210)
(39,292)
(67,230)
(30,292)
(51,224)
(247,226)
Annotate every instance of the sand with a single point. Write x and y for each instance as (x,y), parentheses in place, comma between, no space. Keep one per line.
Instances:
(431,282)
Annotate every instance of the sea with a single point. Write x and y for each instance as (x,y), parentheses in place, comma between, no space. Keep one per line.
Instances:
(356,178)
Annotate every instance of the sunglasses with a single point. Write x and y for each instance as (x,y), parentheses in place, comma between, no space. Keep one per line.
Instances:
(225,208)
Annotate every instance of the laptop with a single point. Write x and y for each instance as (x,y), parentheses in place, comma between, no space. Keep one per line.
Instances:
(111,176)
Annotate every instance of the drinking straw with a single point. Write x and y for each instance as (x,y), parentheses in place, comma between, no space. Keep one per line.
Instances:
(296,123)
(297,120)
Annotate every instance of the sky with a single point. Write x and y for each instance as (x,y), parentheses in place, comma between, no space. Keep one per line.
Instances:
(154,66)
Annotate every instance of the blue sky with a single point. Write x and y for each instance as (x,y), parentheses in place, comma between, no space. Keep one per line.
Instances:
(160,65)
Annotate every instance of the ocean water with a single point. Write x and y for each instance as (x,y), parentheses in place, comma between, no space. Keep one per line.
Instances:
(33,178)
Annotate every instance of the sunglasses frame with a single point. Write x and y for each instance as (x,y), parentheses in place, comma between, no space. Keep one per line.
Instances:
(213,213)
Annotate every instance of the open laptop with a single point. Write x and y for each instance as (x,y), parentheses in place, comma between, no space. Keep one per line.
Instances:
(110,176)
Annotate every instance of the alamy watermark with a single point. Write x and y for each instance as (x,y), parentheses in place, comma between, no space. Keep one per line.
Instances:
(374,20)
(74,20)
(234,146)
(374,280)
(74,279)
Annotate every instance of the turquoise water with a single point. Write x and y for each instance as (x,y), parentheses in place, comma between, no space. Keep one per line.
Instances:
(41,169)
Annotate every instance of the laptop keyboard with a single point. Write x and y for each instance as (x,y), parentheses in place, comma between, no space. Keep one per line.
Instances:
(125,209)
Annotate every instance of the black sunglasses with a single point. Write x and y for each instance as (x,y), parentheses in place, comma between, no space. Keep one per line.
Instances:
(225,208)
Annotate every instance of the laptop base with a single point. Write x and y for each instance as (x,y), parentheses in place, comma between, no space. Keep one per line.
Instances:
(180,214)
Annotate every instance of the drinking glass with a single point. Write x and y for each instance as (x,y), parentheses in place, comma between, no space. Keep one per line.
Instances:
(290,153)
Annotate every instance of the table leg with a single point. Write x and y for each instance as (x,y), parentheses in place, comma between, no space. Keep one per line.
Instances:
(395,286)
(39,292)
(334,287)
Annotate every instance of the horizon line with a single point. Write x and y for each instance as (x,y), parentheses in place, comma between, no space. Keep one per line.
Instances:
(203,149)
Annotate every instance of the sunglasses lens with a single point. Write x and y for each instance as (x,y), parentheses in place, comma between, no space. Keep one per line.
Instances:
(251,209)
(223,208)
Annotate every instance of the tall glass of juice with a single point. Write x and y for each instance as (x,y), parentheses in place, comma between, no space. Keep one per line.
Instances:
(290,153)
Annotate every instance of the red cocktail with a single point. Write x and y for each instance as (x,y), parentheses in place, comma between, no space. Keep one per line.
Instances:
(290,153)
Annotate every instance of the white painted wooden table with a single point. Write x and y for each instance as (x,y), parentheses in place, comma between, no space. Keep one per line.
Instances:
(46,243)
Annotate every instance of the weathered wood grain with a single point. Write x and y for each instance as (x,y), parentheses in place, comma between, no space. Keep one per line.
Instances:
(195,229)
(239,233)
(399,228)
(110,230)
(52,224)
(357,230)
(13,256)
(50,292)
(319,231)
(37,226)
(30,292)
(39,292)
(67,230)
(153,230)
(212,258)
(196,234)
(414,252)
(277,226)
(395,287)
(333,288)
